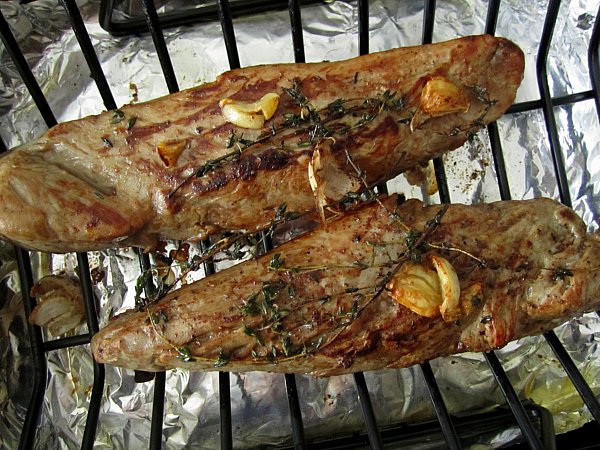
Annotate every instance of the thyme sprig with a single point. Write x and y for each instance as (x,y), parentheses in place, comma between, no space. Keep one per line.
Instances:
(309,121)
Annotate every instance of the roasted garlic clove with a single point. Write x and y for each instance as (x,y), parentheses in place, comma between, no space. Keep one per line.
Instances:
(60,304)
(170,151)
(450,288)
(418,288)
(250,114)
(439,97)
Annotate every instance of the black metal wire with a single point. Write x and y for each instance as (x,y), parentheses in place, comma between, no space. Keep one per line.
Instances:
(295,413)
(89,53)
(13,50)
(556,101)
(158,411)
(367,409)
(363,27)
(228,34)
(513,401)
(594,61)
(158,399)
(71,341)
(89,433)
(297,36)
(547,107)
(225,411)
(574,374)
(159,43)
(427,38)
(493,133)
(440,407)
(37,354)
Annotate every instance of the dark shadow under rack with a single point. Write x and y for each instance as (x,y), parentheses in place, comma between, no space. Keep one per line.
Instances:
(450,428)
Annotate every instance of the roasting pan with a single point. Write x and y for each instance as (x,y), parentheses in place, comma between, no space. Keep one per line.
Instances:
(533,422)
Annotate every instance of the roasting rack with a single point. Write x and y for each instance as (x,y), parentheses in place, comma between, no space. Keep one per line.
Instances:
(534,422)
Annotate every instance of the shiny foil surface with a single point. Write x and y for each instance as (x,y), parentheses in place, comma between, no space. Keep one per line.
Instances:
(330,407)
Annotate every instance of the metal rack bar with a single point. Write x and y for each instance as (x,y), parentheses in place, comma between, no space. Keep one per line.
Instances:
(367,409)
(594,61)
(427,38)
(575,375)
(494,136)
(71,341)
(363,27)
(297,36)
(38,357)
(225,411)
(12,48)
(441,411)
(159,43)
(91,423)
(89,53)
(228,34)
(547,107)
(513,401)
(295,412)
(556,101)
(158,410)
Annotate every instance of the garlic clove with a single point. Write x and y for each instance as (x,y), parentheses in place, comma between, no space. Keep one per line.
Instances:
(250,115)
(450,288)
(439,97)
(170,151)
(416,287)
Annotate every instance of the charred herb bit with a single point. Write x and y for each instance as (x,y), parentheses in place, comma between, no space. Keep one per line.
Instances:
(144,282)
(276,261)
(131,122)
(287,347)
(483,95)
(412,236)
(291,291)
(249,331)
(117,116)
(561,273)
(250,306)
(337,107)
(293,120)
(184,354)
(222,360)
(298,97)
(239,141)
(107,142)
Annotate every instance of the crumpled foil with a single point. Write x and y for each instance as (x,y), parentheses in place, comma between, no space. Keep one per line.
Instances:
(330,407)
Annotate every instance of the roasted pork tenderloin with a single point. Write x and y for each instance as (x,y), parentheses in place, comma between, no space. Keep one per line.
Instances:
(225,155)
(387,285)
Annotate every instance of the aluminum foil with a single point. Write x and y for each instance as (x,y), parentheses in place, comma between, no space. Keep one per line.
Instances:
(330,407)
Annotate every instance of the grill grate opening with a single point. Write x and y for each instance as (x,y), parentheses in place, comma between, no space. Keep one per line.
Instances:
(453,428)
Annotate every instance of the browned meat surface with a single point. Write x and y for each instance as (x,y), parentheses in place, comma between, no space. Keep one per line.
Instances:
(174,168)
(362,293)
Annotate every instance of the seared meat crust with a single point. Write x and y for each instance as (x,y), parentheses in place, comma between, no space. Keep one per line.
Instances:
(319,304)
(128,177)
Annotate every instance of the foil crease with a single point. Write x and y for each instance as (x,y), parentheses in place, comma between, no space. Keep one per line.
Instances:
(329,406)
